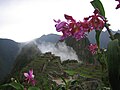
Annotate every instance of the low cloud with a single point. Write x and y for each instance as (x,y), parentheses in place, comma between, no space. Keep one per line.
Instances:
(59,49)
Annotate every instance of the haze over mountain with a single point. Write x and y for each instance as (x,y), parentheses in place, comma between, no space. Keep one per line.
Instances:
(51,43)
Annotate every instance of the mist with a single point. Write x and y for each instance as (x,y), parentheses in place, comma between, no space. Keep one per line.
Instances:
(60,49)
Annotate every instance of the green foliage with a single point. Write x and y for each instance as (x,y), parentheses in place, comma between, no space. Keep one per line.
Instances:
(97,36)
(70,72)
(117,36)
(82,82)
(15,85)
(43,66)
(99,5)
(33,88)
(113,56)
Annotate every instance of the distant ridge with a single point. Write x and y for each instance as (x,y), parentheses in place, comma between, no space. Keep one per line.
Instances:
(53,38)
(8,52)
(104,38)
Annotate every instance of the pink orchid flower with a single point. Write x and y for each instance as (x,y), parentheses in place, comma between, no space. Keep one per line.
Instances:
(92,48)
(96,21)
(69,28)
(30,77)
(79,29)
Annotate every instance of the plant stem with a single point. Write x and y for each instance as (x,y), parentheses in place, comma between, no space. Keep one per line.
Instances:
(110,33)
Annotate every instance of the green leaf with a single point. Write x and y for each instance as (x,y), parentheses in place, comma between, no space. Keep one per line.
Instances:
(85,75)
(117,36)
(99,5)
(33,88)
(97,36)
(70,72)
(15,85)
(113,56)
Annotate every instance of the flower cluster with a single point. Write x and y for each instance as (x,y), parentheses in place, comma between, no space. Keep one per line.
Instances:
(30,77)
(93,48)
(69,28)
(79,29)
(118,6)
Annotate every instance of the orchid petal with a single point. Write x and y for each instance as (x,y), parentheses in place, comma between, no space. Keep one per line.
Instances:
(31,72)
(26,74)
(69,17)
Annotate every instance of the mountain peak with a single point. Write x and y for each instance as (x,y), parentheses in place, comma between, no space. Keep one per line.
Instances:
(48,38)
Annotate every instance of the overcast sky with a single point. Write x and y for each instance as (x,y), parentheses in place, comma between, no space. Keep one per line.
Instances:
(24,20)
